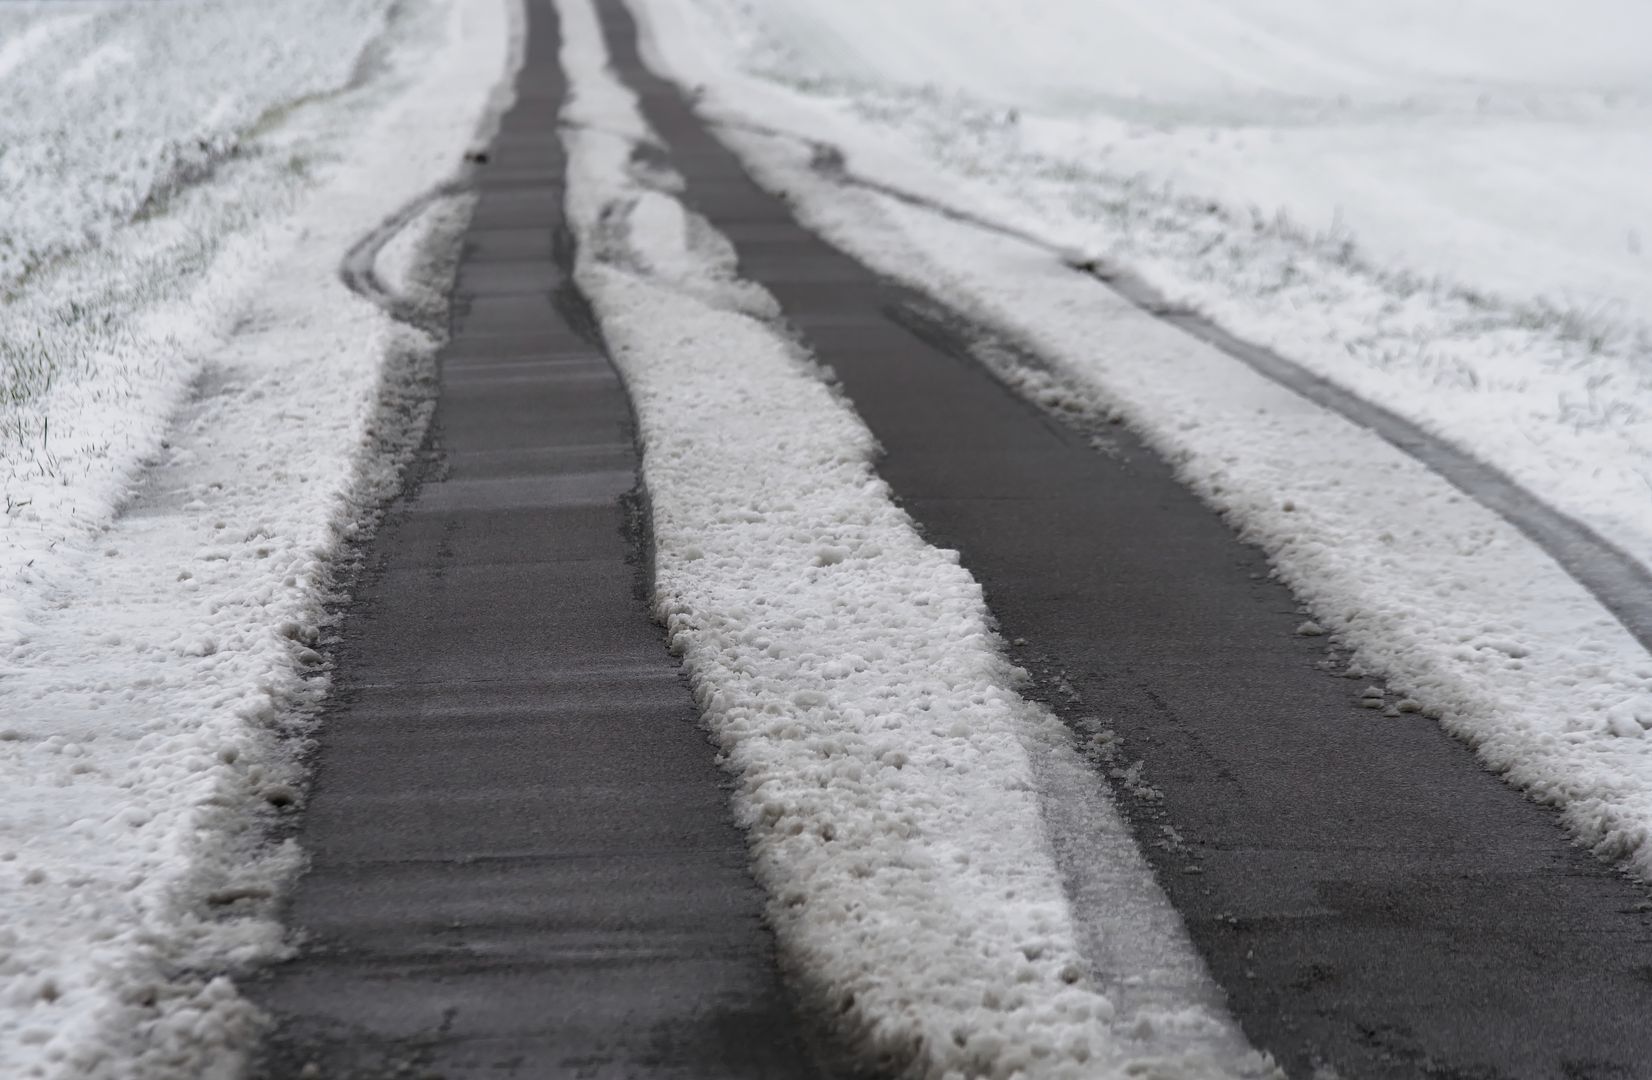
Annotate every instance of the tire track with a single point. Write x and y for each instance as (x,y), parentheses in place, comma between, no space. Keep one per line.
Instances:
(1619,581)
(1372,902)
(358,270)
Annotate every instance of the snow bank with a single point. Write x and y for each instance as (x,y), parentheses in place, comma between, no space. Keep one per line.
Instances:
(1466,619)
(847,670)
(168,566)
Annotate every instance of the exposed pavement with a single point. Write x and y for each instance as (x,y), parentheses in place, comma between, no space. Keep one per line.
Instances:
(1370,899)
(523,863)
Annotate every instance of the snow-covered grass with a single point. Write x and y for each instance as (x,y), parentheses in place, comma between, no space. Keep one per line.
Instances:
(208,420)
(143,143)
(1440,207)
(1500,144)
(888,774)
(1466,619)
(112,108)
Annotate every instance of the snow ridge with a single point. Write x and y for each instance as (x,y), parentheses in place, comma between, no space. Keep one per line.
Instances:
(849,674)
(1465,618)
(1620,582)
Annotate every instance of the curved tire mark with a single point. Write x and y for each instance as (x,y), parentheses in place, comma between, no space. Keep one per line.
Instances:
(359,267)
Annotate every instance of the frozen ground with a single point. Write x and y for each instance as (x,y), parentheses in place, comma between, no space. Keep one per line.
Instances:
(194,417)
(1472,282)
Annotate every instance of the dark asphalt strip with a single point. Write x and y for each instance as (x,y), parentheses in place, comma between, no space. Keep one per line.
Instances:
(522,860)
(1621,582)
(1372,901)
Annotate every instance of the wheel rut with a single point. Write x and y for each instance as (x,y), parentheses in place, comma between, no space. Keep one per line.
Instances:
(522,862)
(1373,903)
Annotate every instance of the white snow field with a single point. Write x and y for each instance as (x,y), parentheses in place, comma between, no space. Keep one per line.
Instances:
(887,771)
(194,416)
(1436,206)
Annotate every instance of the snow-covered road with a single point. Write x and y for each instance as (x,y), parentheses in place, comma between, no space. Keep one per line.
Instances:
(893,780)
(1537,369)
(1438,209)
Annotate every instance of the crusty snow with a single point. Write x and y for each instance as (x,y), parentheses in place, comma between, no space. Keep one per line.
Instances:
(847,670)
(1463,616)
(193,425)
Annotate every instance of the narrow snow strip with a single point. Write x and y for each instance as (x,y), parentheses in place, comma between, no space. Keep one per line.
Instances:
(885,764)
(149,717)
(1466,618)
(1621,583)
(1617,579)
(1547,386)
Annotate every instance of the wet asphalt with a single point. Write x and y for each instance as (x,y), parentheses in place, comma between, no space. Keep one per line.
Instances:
(522,860)
(1373,903)
(523,863)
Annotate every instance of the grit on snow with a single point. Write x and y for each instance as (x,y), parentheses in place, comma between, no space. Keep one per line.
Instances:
(194,415)
(1436,207)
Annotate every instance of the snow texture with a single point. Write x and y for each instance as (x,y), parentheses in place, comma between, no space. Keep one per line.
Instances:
(888,773)
(1409,580)
(209,418)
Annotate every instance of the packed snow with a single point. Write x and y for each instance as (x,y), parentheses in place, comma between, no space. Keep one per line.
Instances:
(196,418)
(1533,366)
(890,776)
